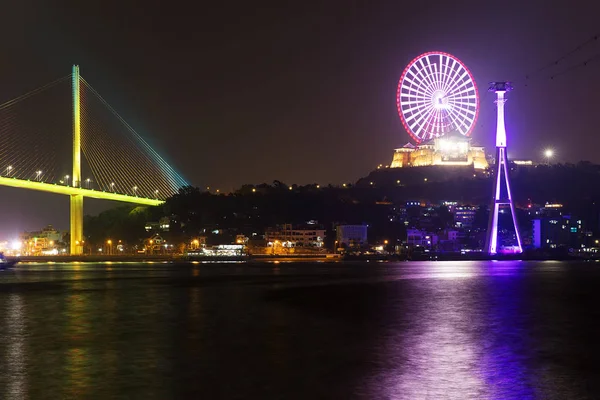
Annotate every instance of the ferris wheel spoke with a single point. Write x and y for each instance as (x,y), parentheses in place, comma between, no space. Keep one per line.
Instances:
(465,97)
(440,72)
(414,97)
(416,88)
(443,73)
(439,126)
(431,68)
(431,73)
(424,75)
(406,92)
(423,71)
(431,120)
(412,102)
(433,125)
(419,122)
(463,82)
(447,120)
(462,98)
(466,106)
(455,70)
(461,121)
(436,75)
(448,76)
(459,91)
(416,111)
(463,110)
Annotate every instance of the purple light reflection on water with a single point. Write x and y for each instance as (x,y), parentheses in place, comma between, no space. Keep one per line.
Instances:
(456,341)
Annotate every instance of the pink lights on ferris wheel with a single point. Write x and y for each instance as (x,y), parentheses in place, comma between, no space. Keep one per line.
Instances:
(436,95)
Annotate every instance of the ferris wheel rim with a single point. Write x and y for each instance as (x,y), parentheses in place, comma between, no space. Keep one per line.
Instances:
(408,129)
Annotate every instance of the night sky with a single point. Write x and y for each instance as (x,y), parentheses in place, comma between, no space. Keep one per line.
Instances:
(249,92)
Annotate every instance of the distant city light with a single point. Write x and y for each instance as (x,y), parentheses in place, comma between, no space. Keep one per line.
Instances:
(548,153)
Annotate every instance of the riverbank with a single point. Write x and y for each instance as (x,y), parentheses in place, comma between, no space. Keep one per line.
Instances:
(174,258)
(297,257)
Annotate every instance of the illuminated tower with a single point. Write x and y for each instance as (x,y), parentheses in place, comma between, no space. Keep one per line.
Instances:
(501,195)
(76,199)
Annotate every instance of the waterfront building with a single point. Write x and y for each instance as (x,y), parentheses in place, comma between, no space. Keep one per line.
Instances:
(42,242)
(464,216)
(288,235)
(558,231)
(421,238)
(351,235)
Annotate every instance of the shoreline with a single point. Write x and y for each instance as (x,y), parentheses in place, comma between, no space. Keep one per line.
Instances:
(293,258)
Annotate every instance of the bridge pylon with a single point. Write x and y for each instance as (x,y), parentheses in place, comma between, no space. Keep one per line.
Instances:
(76,225)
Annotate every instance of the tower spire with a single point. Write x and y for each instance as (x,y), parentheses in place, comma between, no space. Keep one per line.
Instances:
(501,198)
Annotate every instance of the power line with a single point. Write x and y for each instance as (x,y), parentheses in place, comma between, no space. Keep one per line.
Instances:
(595,57)
(564,57)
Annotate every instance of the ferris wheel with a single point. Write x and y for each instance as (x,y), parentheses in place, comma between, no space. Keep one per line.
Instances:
(436,95)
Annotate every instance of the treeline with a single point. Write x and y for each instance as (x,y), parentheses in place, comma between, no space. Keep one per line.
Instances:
(253,208)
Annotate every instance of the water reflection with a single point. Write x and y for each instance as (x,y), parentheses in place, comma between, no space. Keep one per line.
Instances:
(15,357)
(455,340)
(438,330)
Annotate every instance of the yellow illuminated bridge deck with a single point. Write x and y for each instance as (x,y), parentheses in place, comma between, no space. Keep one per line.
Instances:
(69,190)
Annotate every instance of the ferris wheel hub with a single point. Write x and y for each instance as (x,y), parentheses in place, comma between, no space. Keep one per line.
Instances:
(439,100)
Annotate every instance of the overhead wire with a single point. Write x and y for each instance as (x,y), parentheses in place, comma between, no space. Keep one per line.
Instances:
(535,74)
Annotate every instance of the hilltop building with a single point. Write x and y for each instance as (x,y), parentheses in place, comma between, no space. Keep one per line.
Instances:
(451,149)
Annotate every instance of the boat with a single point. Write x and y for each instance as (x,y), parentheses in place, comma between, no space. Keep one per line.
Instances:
(5,263)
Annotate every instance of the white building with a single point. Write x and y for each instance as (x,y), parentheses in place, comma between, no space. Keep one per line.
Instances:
(416,237)
(288,235)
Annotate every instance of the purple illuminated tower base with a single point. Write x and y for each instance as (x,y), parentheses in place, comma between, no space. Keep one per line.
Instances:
(501,198)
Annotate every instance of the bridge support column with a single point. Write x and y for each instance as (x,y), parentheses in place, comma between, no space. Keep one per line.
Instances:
(76,199)
(76,224)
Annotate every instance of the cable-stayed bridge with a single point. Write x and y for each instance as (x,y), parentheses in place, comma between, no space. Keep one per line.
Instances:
(88,152)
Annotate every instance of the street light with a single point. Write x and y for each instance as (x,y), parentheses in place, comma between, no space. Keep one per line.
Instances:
(38,174)
(156,193)
(134,190)
(548,153)
(87,182)
(67,179)
(112,186)
(8,169)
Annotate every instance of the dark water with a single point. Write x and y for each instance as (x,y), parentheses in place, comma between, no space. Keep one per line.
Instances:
(444,330)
